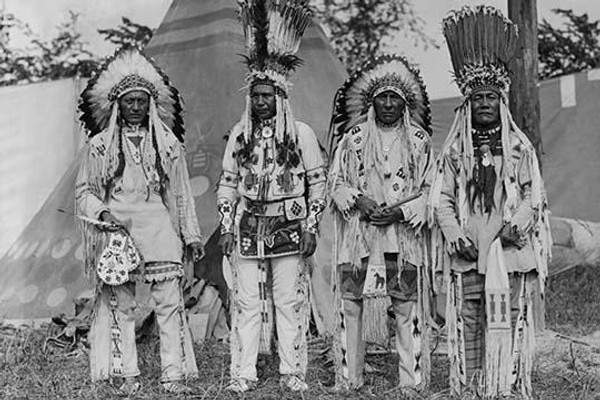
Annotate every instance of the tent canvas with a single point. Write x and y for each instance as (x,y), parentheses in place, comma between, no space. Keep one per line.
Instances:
(39,142)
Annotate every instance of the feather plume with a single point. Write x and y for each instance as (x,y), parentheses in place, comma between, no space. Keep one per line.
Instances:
(481,42)
(273,30)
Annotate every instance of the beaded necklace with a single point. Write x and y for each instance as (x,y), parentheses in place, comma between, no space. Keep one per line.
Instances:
(133,142)
(386,132)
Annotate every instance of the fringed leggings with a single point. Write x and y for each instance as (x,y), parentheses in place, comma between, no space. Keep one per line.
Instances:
(473,317)
(113,350)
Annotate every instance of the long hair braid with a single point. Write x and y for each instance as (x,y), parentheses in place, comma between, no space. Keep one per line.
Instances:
(121,157)
(162,176)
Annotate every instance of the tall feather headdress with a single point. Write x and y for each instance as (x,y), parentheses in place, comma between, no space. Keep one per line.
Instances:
(273,30)
(386,72)
(481,42)
(127,70)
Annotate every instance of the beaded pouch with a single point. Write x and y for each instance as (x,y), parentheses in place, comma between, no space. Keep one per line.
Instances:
(119,257)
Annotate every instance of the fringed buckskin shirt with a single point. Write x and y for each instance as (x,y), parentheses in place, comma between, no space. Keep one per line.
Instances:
(160,210)
(387,167)
(482,227)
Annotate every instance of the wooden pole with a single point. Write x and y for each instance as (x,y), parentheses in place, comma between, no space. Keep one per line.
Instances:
(524,99)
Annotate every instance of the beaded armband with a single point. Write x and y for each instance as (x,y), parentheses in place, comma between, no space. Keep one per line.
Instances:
(228,179)
(315,213)
(226,213)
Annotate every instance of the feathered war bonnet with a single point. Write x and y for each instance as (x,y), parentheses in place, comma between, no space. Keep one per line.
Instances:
(353,102)
(273,30)
(481,42)
(128,70)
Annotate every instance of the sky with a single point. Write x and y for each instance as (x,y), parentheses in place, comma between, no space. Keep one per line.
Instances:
(44,15)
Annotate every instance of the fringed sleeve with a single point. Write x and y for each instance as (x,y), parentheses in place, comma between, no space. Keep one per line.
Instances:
(446,212)
(540,234)
(524,216)
(343,189)
(443,218)
(90,186)
(533,214)
(89,204)
(415,211)
(343,177)
(184,200)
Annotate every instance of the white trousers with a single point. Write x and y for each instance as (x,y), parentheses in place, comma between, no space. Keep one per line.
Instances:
(290,297)
(112,335)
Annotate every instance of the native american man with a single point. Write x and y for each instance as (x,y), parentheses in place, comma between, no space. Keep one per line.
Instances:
(270,197)
(377,184)
(490,235)
(134,184)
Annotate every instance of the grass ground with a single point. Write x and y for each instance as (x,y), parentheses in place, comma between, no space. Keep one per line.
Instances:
(573,301)
(564,370)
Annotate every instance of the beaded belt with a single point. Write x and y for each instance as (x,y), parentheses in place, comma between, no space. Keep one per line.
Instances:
(293,209)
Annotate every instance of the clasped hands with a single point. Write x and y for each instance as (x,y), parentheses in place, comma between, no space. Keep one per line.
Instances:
(378,215)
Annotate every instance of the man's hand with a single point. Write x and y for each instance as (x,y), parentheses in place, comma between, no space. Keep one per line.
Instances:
(197,250)
(115,223)
(509,236)
(366,206)
(387,216)
(308,244)
(226,244)
(467,251)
